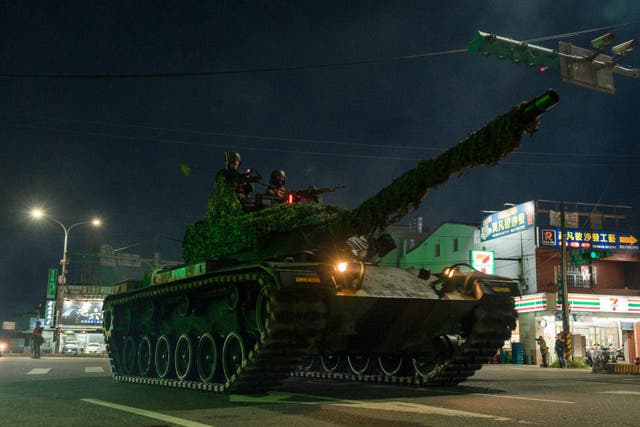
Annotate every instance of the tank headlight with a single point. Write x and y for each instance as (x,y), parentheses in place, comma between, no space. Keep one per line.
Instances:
(348,275)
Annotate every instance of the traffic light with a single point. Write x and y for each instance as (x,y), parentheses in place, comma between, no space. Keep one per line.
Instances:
(594,254)
(586,256)
(560,292)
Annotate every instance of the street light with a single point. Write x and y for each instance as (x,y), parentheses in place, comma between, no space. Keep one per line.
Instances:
(62,279)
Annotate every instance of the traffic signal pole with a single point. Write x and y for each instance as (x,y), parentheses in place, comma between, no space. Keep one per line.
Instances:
(562,286)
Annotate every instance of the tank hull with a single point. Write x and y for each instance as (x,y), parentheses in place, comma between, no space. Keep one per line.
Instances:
(248,327)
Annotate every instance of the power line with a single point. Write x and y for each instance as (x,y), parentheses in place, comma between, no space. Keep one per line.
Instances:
(226,72)
(282,68)
(329,142)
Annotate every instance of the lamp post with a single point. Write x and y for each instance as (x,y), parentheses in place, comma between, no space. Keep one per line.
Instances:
(62,279)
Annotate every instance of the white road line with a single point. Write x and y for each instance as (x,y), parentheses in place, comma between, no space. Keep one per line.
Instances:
(523,398)
(39,371)
(418,409)
(89,369)
(149,414)
(635,393)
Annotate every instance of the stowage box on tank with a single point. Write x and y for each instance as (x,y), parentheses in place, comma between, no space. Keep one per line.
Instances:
(292,289)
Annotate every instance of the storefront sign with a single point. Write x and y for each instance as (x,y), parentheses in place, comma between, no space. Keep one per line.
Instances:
(535,302)
(578,239)
(49,309)
(508,221)
(483,261)
(52,282)
(581,302)
(82,313)
(87,291)
(9,326)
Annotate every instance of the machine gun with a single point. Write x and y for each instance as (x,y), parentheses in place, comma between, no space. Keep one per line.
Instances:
(310,194)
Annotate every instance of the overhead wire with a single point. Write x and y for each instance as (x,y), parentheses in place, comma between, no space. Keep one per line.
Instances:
(258,70)
(333,154)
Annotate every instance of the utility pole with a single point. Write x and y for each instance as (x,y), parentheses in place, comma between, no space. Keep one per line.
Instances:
(562,285)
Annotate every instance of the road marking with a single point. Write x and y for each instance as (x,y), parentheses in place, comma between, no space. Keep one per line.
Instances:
(635,393)
(523,398)
(418,409)
(383,406)
(90,369)
(149,414)
(39,371)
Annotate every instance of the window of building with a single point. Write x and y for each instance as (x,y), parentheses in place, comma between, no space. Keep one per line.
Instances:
(455,244)
(579,276)
(437,249)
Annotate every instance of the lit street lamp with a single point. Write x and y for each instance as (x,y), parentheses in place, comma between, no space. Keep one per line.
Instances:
(62,279)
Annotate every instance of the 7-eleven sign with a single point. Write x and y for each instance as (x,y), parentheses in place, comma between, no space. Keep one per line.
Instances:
(483,261)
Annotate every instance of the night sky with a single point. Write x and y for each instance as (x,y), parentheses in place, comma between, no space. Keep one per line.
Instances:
(112,147)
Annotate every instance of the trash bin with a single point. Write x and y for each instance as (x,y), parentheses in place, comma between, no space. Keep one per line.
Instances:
(517,353)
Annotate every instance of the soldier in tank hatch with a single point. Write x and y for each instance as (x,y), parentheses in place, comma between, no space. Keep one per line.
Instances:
(276,187)
(240,182)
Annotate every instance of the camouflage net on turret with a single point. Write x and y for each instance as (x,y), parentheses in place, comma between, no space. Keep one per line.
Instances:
(227,231)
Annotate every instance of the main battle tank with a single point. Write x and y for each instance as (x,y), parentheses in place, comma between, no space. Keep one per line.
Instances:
(294,289)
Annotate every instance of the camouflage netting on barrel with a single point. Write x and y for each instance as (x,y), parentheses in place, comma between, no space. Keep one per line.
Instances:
(228,231)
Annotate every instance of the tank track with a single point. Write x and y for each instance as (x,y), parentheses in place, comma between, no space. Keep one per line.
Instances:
(489,325)
(296,318)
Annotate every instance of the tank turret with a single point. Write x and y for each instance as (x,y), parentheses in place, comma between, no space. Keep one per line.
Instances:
(289,230)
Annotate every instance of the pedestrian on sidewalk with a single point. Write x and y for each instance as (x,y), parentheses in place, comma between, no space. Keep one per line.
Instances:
(560,350)
(37,340)
(544,351)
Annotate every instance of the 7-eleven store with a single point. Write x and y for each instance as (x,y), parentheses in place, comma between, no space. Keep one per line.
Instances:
(595,319)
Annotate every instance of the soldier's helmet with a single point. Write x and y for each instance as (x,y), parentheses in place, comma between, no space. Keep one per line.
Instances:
(278,178)
(230,157)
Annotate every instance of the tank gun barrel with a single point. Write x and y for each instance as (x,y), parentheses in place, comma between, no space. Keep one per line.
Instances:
(485,146)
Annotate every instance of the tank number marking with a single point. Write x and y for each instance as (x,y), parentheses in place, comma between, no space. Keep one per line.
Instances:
(307,280)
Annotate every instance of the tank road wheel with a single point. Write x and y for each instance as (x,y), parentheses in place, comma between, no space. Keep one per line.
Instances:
(233,297)
(129,356)
(234,354)
(163,357)
(183,357)
(331,362)
(262,310)
(145,356)
(423,366)
(207,358)
(308,363)
(390,364)
(358,364)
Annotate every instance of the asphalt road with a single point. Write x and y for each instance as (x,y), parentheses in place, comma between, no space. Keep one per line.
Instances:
(80,392)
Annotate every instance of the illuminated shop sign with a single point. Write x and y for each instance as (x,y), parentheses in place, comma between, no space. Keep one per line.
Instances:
(81,313)
(508,221)
(581,302)
(483,261)
(578,239)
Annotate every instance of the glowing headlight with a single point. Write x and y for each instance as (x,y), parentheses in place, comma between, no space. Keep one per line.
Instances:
(342,267)
(3,346)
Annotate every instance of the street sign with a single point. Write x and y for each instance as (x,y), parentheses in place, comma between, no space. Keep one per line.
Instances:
(51,283)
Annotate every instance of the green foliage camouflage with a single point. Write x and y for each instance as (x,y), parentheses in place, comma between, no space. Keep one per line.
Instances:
(227,231)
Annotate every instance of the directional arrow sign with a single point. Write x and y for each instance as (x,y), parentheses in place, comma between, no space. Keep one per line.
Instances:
(629,240)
